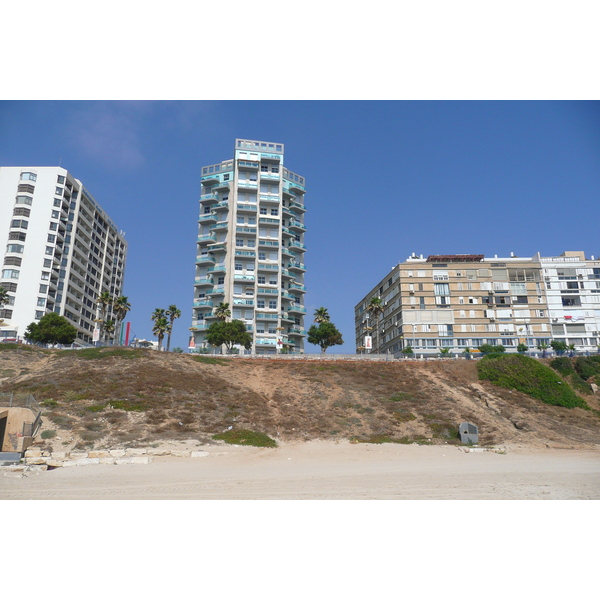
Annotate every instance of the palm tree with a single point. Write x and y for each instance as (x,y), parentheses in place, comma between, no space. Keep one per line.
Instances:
(321,315)
(161,326)
(103,301)
(109,327)
(375,310)
(222,311)
(173,313)
(4,297)
(121,307)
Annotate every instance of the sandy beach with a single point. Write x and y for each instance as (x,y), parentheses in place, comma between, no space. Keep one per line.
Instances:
(326,471)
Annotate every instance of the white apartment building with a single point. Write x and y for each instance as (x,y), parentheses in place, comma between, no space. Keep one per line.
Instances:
(60,250)
(462,301)
(250,248)
(573,295)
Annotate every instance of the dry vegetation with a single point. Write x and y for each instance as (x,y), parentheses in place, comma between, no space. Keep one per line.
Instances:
(106,398)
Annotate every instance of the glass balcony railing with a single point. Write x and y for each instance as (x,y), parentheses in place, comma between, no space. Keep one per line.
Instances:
(297,309)
(295,244)
(202,239)
(203,281)
(297,286)
(205,218)
(208,198)
(244,277)
(217,269)
(203,303)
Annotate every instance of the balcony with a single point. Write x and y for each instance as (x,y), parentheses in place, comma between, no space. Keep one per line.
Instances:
(248,164)
(248,185)
(220,226)
(296,187)
(286,273)
(198,303)
(285,231)
(217,291)
(297,226)
(296,331)
(268,244)
(269,176)
(250,230)
(204,259)
(286,251)
(209,179)
(273,199)
(244,277)
(297,287)
(246,208)
(245,253)
(222,185)
(218,248)
(243,302)
(221,206)
(296,266)
(270,316)
(206,239)
(265,267)
(286,317)
(217,269)
(209,198)
(297,309)
(297,205)
(267,291)
(207,218)
(297,246)
(203,281)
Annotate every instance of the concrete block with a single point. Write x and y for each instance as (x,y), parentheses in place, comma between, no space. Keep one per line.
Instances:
(35,460)
(109,460)
(60,455)
(123,461)
(37,468)
(199,454)
(51,462)
(118,453)
(140,460)
(33,452)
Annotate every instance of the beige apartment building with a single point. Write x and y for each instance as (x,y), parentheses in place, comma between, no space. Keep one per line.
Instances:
(462,301)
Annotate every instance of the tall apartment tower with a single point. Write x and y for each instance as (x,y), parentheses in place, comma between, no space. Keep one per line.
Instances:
(250,248)
(61,250)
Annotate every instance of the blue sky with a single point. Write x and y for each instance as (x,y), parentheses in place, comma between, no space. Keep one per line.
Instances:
(384,179)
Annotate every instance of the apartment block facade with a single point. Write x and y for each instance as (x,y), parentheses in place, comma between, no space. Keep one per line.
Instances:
(61,251)
(250,248)
(462,301)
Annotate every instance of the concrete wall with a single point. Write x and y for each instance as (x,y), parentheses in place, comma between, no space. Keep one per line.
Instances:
(13,436)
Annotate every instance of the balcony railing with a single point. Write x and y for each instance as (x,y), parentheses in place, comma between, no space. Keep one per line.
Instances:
(244,277)
(206,238)
(203,281)
(209,198)
(203,303)
(295,244)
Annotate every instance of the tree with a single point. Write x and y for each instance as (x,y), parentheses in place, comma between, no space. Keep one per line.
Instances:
(121,307)
(558,346)
(375,310)
(172,313)
(408,351)
(543,347)
(324,335)
(445,352)
(4,297)
(222,311)
(161,326)
(103,301)
(321,315)
(228,333)
(51,329)
(109,327)
(522,348)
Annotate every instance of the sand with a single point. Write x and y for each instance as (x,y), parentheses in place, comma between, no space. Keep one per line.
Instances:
(327,471)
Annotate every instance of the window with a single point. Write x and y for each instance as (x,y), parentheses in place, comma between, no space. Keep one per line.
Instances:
(41,301)
(19,211)
(272,303)
(6,314)
(10,274)
(25,187)
(571,301)
(48,263)
(240,220)
(263,211)
(18,248)
(239,243)
(49,250)
(58,191)
(221,281)
(53,226)
(17,235)
(261,279)
(43,289)
(39,314)
(29,176)
(274,212)
(239,267)
(14,261)
(262,256)
(60,179)
(51,238)
(24,200)
(260,304)
(45,276)
(18,223)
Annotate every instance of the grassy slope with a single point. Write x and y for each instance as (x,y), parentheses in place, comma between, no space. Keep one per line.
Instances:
(110,397)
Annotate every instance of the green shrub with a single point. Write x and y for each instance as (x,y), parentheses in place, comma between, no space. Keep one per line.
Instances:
(587,366)
(245,437)
(101,352)
(522,348)
(489,349)
(527,375)
(563,365)
(211,360)
(48,434)
(127,405)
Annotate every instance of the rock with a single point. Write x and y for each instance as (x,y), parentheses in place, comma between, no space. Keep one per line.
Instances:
(135,451)
(158,452)
(36,460)
(60,455)
(51,462)
(33,452)
(123,461)
(180,453)
(37,468)
(140,460)
(117,453)
(98,454)
(594,388)
(78,455)
(107,461)
(199,454)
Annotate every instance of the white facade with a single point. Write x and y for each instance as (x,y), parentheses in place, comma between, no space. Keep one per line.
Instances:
(250,248)
(573,297)
(60,250)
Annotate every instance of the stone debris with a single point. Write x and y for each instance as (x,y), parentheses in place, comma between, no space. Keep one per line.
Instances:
(37,460)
